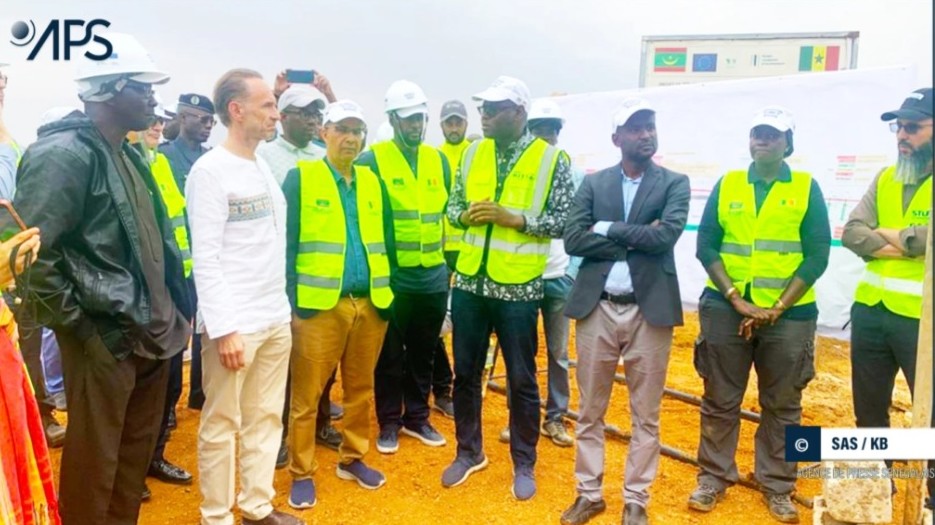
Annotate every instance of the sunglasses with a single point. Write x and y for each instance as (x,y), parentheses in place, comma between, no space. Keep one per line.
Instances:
(143,89)
(765,133)
(911,128)
(305,114)
(206,120)
(492,110)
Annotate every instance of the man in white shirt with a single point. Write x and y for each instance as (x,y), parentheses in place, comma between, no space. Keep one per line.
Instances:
(300,110)
(237,216)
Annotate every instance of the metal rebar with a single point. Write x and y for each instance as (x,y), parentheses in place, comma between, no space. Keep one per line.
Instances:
(674,453)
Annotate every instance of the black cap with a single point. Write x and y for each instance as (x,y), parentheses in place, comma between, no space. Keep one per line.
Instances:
(196,101)
(917,106)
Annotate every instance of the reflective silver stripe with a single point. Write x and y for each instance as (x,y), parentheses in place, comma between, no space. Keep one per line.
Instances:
(376,247)
(405,215)
(186,253)
(770,282)
(537,206)
(178,222)
(734,248)
(431,217)
(893,284)
(407,246)
(381,282)
(431,247)
(526,248)
(473,239)
(321,247)
(467,160)
(319,282)
(766,245)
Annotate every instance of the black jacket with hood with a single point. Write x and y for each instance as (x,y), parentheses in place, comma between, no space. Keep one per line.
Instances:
(89,277)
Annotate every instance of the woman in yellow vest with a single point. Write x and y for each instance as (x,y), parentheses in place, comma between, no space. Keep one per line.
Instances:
(764,240)
(888,228)
(339,252)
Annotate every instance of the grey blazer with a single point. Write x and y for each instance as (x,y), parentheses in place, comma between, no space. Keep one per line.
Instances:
(663,196)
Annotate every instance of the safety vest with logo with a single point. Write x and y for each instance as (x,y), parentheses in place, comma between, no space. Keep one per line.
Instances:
(512,257)
(763,249)
(175,206)
(453,152)
(897,282)
(323,237)
(418,202)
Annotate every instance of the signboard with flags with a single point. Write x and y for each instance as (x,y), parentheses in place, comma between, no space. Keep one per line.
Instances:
(690,59)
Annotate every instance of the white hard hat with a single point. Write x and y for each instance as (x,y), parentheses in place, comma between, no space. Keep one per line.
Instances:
(405,98)
(128,59)
(544,108)
(160,110)
(55,114)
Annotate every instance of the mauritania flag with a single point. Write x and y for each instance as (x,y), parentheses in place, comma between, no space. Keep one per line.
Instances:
(672,59)
(819,58)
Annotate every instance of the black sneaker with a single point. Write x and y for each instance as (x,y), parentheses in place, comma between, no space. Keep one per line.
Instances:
(704,498)
(329,437)
(445,405)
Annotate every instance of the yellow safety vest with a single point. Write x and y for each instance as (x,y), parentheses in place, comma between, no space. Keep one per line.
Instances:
(453,152)
(18,151)
(323,237)
(418,203)
(175,206)
(897,282)
(763,249)
(512,257)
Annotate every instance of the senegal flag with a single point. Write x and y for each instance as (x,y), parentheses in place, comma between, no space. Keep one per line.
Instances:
(671,59)
(819,58)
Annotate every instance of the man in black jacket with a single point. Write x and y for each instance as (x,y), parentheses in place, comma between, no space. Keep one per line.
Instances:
(624,222)
(109,281)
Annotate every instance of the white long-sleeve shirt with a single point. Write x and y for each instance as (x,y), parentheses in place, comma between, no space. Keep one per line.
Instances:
(237,219)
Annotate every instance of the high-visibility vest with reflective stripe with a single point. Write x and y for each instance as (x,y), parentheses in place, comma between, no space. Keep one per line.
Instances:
(453,152)
(175,206)
(418,203)
(18,151)
(323,237)
(512,257)
(763,249)
(897,282)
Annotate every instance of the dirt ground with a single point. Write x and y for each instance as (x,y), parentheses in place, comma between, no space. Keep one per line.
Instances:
(413,492)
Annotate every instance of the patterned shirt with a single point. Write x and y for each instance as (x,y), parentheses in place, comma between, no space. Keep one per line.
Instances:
(550,223)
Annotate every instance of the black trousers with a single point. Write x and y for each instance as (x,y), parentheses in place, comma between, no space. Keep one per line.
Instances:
(882,343)
(114,411)
(172,398)
(196,396)
(441,375)
(404,372)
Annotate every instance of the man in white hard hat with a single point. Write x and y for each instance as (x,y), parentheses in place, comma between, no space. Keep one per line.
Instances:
(338,263)
(416,177)
(512,195)
(109,281)
(237,216)
(545,122)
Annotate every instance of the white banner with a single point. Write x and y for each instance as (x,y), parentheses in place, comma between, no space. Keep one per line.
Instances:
(877,443)
(704,132)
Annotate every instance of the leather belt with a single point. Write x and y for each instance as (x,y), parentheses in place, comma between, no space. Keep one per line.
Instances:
(624,298)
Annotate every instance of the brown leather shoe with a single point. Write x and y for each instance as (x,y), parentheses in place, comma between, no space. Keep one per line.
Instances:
(275,518)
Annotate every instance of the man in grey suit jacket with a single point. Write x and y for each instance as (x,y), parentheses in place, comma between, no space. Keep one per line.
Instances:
(624,222)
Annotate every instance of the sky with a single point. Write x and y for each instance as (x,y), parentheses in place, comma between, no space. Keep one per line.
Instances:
(451,48)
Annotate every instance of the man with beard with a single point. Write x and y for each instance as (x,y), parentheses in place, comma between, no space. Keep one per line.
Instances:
(888,229)
(624,222)
(764,239)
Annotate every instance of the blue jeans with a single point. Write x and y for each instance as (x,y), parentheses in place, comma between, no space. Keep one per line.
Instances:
(51,364)
(514,322)
(556,325)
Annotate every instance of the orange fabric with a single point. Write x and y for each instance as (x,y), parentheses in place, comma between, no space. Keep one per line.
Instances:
(26,469)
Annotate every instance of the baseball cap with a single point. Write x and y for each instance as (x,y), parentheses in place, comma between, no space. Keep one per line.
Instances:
(453,108)
(341,110)
(299,96)
(917,106)
(630,107)
(506,88)
(776,117)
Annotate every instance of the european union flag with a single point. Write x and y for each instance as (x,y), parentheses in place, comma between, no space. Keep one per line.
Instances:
(704,62)
(803,443)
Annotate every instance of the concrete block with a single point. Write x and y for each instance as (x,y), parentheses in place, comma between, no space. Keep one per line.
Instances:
(857,492)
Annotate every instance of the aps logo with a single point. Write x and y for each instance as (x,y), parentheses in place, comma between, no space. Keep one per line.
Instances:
(65,35)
